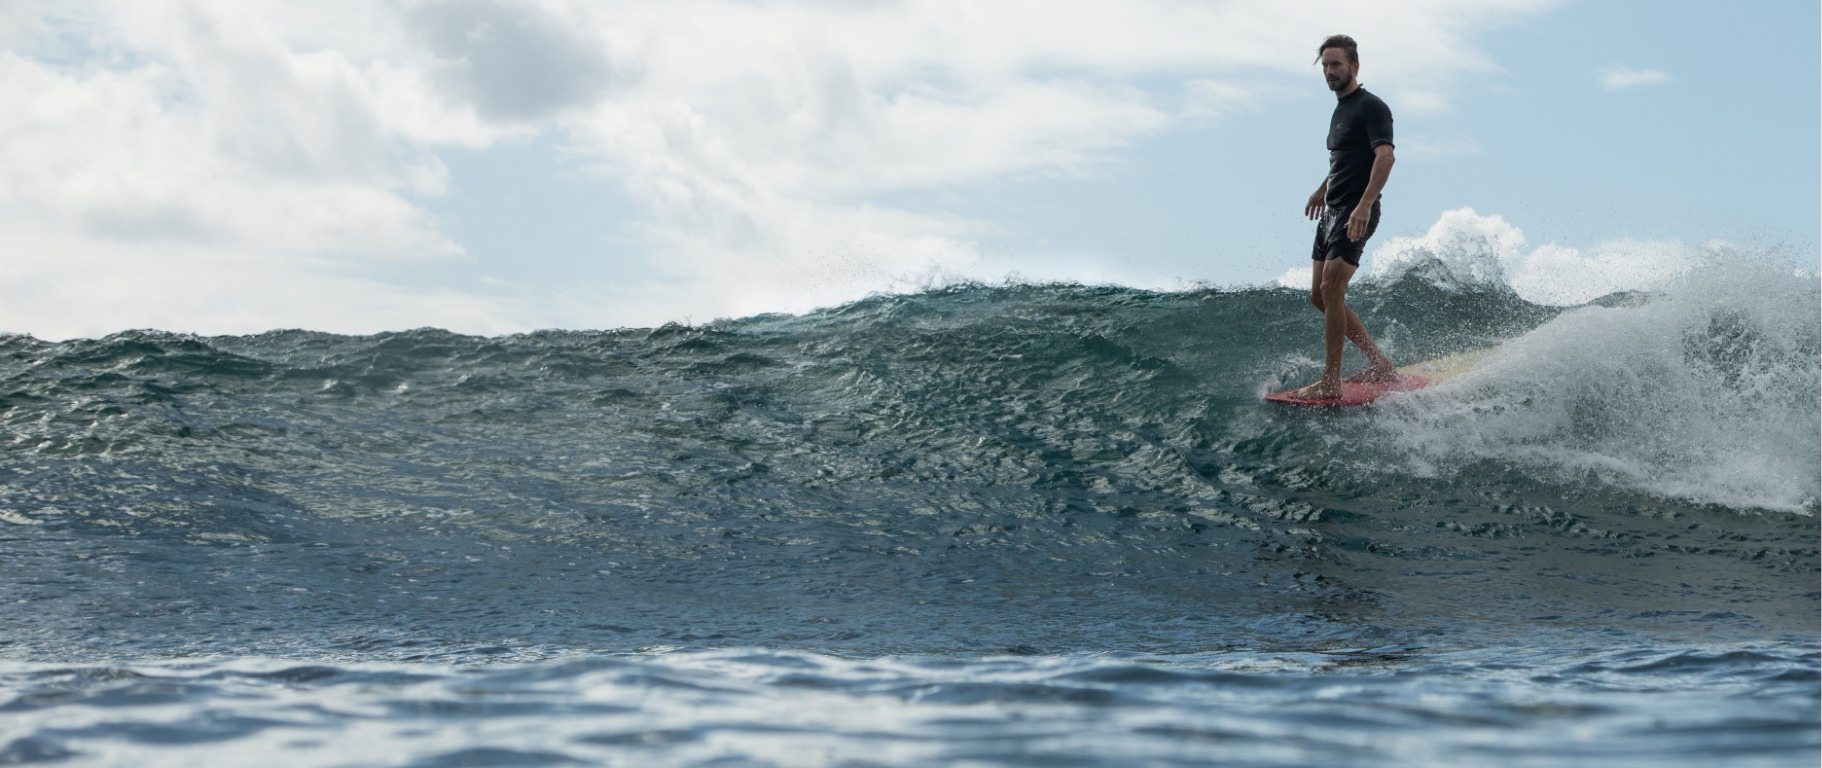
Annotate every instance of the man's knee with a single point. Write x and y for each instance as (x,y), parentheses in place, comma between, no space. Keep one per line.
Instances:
(1316,299)
(1332,291)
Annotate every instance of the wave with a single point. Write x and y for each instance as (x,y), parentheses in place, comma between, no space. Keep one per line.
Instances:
(904,472)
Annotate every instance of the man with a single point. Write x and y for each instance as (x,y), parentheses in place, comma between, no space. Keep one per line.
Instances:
(1347,204)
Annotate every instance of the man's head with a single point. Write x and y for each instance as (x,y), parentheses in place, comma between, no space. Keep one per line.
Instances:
(1340,60)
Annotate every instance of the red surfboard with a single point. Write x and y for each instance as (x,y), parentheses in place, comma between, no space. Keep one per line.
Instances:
(1353,393)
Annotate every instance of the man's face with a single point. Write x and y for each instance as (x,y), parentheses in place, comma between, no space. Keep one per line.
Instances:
(1336,69)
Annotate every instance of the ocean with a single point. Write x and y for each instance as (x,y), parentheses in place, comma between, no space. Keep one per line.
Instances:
(979,525)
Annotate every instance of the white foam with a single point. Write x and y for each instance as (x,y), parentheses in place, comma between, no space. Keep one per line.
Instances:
(1465,250)
(1706,391)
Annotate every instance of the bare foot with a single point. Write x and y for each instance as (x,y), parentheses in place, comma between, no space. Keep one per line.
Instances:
(1375,373)
(1321,390)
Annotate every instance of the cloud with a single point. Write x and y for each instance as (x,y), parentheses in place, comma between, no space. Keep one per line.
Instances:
(1619,77)
(761,134)
(226,139)
(771,147)
(1217,99)
(1438,147)
(513,61)
(61,283)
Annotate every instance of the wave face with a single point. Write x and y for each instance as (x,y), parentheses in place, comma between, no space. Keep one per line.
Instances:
(979,468)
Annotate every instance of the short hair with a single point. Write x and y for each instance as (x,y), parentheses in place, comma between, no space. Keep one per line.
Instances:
(1344,43)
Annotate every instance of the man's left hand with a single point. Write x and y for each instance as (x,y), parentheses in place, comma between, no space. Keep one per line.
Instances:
(1358,221)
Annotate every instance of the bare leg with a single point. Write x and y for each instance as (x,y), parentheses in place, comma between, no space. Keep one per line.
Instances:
(1328,291)
(1379,367)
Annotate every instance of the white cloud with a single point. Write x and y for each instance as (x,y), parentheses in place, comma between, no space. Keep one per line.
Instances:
(763,139)
(227,139)
(67,284)
(1465,248)
(1437,147)
(1619,76)
(1220,99)
(753,127)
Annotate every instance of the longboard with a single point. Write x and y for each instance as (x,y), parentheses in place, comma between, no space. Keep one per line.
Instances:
(1354,393)
(1411,377)
(1445,368)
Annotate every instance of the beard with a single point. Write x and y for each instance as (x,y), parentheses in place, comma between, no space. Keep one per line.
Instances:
(1340,84)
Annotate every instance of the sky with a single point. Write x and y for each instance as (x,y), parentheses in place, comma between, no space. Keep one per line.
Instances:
(500,166)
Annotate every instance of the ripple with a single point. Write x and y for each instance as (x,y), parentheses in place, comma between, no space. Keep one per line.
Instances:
(1486,706)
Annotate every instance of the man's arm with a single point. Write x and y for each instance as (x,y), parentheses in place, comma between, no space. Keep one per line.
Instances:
(1363,212)
(1313,208)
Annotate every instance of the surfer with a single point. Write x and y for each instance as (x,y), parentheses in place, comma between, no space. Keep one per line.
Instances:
(1347,207)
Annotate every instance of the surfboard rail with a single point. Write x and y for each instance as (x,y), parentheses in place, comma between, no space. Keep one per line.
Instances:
(1354,393)
(1410,378)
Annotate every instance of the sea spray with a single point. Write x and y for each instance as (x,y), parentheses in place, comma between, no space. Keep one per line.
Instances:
(1706,391)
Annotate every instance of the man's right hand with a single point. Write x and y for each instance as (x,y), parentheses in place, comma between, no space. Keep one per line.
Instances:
(1313,209)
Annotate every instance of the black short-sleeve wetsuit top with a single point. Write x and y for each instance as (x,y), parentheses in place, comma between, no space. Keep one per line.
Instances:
(1361,123)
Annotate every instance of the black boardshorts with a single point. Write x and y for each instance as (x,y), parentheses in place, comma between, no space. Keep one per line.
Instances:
(1332,236)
